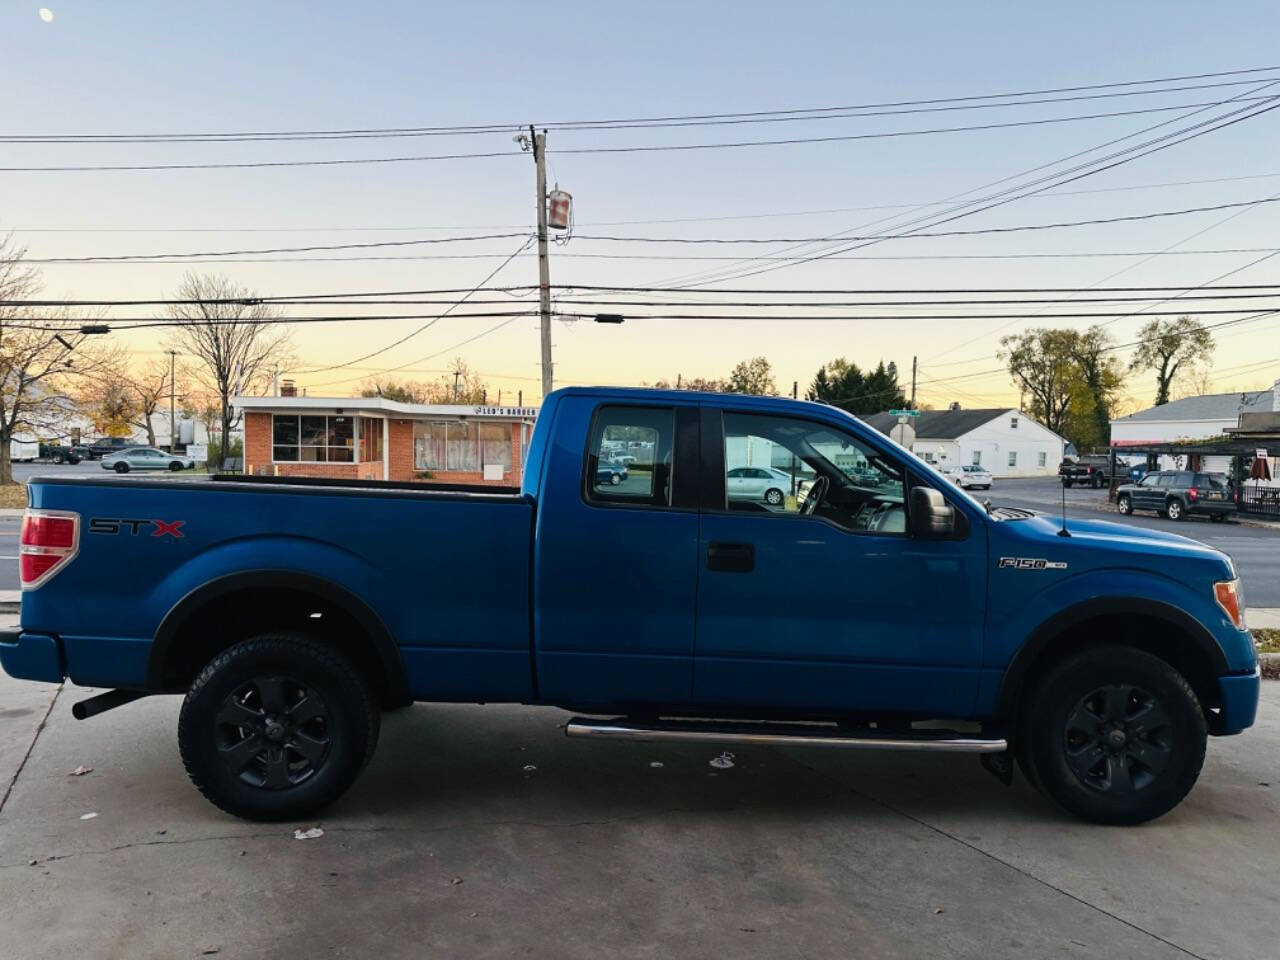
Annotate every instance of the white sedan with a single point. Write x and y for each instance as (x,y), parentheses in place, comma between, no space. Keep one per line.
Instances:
(759,483)
(969,476)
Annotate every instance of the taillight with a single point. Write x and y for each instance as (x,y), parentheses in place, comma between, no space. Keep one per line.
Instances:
(50,540)
(1227,593)
(1193,493)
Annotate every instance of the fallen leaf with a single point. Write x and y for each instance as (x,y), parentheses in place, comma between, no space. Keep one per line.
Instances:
(87,816)
(80,771)
(937,910)
(656,764)
(530,768)
(209,951)
(32,863)
(312,834)
(455,881)
(722,762)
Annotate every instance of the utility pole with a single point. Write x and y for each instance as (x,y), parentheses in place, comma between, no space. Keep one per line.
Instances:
(913,383)
(678,376)
(456,375)
(795,389)
(173,419)
(544,269)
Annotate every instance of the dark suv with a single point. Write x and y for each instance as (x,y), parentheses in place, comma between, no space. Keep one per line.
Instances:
(1178,494)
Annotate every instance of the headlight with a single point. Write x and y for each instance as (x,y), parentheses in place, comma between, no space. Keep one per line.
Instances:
(1231,599)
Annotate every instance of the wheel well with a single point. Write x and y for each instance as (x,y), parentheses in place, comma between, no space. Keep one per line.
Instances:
(1171,642)
(199,630)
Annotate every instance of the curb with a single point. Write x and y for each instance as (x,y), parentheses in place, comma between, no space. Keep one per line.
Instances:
(1269,664)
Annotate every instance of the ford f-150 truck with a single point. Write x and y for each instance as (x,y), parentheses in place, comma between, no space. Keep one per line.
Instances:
(858,612)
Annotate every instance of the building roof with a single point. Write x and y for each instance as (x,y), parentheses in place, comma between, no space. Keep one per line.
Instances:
(382,405)
(940,424)
(1211,406)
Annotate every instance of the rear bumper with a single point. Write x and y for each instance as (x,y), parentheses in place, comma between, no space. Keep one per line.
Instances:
(1240,692)
(1206,507)
(31,656)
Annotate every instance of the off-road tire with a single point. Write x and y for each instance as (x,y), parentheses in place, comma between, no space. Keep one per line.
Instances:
(1047,737)
(351,725)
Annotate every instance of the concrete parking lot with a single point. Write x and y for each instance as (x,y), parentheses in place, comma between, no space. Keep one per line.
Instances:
(484,832)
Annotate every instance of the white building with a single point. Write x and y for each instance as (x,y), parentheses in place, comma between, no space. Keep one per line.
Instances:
(1191,418)
(1006,442)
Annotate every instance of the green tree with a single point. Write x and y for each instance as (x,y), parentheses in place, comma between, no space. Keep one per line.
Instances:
(391,390)
(1041,363)
(1102,379)
(754,376)
(1169,347)
(842,384)
(705,384)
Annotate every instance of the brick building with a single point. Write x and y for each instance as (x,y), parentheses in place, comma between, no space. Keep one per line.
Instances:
(373,438)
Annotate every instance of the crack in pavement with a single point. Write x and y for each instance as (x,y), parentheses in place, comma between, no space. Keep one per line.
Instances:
(30,747)
(481,825)
(884,804)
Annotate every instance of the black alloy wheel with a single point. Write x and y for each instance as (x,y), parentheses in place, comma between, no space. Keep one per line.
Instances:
(121,467)
(175,466)
(1118,739)
(1113,735)
(277,727)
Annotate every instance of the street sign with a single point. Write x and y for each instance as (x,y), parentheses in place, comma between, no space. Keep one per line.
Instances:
(904,413)
(1261,453)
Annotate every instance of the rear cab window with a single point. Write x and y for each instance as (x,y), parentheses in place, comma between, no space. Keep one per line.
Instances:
(629,456)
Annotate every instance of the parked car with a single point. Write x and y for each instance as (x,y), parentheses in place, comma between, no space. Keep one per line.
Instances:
(1093,470)
(611,472)
(1178,494)
(145,458)
(289,614)
(758,483)
(57,453)
(105,446)
(969,476)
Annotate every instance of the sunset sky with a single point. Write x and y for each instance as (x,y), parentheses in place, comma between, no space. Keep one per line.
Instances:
(151,67)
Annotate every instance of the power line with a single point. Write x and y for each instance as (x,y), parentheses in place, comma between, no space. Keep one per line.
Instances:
(1044,184)
(634,148)
(692,119)
(612,238)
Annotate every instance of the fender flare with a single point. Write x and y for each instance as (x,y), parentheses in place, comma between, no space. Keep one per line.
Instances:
(384,643)
(1048,631)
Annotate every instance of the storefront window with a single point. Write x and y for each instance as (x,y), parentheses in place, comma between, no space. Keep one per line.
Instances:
(428,445)
(341,437)
(462,452)
(284,438)
(495,445)
(312,439)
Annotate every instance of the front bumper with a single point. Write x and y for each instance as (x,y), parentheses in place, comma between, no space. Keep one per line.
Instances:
(31,656)
(1240,692)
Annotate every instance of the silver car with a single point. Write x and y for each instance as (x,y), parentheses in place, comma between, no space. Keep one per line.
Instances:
(145,458)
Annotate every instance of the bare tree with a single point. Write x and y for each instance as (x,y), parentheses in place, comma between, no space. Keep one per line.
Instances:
(40,354)
(230,332)
(149,386)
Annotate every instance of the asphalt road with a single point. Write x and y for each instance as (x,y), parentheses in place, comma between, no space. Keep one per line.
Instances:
(1255,549)
(483,832)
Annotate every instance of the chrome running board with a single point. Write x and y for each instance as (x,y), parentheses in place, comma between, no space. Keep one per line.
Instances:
(784,734)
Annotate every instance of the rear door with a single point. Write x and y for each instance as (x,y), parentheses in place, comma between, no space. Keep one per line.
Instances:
(825,602)
(615,565)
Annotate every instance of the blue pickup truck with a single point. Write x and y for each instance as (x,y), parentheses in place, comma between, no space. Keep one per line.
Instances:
(874,601)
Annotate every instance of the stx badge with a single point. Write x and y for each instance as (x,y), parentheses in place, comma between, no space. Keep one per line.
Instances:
(113,525)
(1031,563)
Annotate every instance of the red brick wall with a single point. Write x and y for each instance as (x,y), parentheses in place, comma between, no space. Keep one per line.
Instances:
(257,442)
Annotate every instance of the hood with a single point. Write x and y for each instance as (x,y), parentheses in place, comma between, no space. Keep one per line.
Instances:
(1113,542)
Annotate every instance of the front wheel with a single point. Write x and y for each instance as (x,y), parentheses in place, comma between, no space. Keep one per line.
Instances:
(175,466)
(1124,505)
(773,496)
(121,467)
(1174,511)
(277,727)
(1115,735)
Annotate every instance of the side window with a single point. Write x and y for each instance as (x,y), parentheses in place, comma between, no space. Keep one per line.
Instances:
(1013,458)
(1150,480)
(809,469)
(629,456)
(1041,459)
(977,458)
(1013,425)
(1164,481)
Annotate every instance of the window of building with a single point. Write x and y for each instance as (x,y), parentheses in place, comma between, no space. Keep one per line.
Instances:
(977,458)
(429,444)
(370,440)
(312,439)
(495,445)
(1013,458)
(837,477)
(1042,459)
(928,456)
(1013,423)
(629,456)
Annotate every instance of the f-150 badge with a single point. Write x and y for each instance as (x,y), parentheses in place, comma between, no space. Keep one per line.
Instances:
(1031,563)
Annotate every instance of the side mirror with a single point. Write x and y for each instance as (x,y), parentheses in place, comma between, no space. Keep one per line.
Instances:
(932,518)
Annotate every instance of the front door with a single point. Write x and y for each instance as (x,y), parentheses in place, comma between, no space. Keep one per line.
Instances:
(825,601)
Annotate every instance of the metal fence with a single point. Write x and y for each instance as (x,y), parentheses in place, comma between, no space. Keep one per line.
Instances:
(1260,500)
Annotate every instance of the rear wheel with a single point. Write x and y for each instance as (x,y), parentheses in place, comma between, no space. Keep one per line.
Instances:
(1066,482)
(1174,510)
(1217,517)
(1124,504)
(121,467)
(277,727)
(1096,482)
(1115,735)
(57,458)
